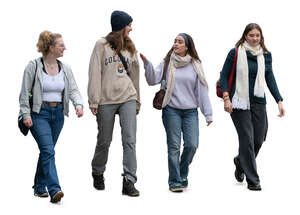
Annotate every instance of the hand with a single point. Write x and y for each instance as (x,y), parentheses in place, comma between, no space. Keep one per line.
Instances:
(228,106)
(143,57)
(208,123)
(281,109)
(79,112)
(137,111)
(28,122)
(94,111)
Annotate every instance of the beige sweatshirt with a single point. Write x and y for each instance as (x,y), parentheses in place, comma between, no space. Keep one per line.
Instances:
(109,82)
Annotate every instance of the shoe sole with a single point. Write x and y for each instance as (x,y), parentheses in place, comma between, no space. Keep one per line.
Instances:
(42,195)
(176,190)
(99,188)
(131,195)
(255,189)
(57,197)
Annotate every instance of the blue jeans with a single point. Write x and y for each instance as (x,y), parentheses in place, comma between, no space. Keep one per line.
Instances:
(46,128)
(177,121)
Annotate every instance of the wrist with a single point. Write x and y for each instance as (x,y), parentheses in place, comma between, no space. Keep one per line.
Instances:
(226,97)
(225,94)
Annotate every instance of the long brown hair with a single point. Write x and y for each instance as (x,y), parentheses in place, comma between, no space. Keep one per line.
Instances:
(121,42)
(249,28)
(191,51)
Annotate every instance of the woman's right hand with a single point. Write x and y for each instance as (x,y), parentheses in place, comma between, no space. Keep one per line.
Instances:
(228,106)
(143,57)
(28,122)
(94,111)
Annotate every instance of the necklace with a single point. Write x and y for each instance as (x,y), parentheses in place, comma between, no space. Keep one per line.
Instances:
(52,69)
(51,66)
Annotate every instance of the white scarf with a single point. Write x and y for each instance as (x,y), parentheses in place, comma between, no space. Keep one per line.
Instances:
(241,99)
(177,61)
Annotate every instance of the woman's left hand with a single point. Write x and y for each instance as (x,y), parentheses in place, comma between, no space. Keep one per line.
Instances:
(143,57)
(79,112)
(209,122)
(137,111)
(281,109)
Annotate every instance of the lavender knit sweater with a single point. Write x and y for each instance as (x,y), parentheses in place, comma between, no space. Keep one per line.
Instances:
(188,92)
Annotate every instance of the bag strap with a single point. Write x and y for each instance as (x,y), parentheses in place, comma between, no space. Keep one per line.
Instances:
(165,72)
(231,75)
(163,81)
(33,82)
(122,58)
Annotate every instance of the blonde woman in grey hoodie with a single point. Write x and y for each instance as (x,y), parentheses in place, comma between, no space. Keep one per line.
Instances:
(52,85)
(113,88)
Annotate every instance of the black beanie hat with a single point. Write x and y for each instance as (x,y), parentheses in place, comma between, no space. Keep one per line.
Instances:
(119,20)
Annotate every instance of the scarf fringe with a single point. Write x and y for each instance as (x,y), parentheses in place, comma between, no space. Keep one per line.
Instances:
(259,92)
(238,103)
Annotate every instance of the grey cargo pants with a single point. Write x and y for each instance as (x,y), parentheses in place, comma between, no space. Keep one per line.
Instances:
(105,119)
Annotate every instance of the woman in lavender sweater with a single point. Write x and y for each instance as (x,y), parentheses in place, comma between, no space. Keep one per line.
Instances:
(186,90)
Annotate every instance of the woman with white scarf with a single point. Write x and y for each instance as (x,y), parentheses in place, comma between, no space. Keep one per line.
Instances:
(247,102)
(186,90)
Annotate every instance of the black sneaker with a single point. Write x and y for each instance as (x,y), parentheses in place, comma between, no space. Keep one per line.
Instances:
(254,187)
(129,189)
(238,173)
(176,188)
(98,181)
(41,195)
(185,183)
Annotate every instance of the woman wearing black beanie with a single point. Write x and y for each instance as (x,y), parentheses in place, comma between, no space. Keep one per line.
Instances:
(113,88)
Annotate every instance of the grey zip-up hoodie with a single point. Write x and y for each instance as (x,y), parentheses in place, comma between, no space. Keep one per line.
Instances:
(71,91)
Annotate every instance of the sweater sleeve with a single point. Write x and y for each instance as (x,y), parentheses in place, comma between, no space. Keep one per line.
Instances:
(94,83)
(153,76)
(74,93)
(28,77)
(226,71)
(270,79)
(203,101)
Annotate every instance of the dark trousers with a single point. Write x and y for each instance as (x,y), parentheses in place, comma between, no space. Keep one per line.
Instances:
(251,126)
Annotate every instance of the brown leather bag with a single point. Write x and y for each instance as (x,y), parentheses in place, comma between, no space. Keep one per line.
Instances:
(159,96)
(158,99)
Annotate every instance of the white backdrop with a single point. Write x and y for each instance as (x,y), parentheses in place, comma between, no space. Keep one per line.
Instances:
(215,27)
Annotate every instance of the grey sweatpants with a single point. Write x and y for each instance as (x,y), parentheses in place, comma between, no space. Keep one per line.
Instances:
(251,126)
(106,119)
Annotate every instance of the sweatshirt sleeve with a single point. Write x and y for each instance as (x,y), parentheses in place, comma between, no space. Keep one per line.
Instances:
(135,77)
(153,76)
(203,101)
(28,77)
(226,71)
(94,83)
(270,79)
